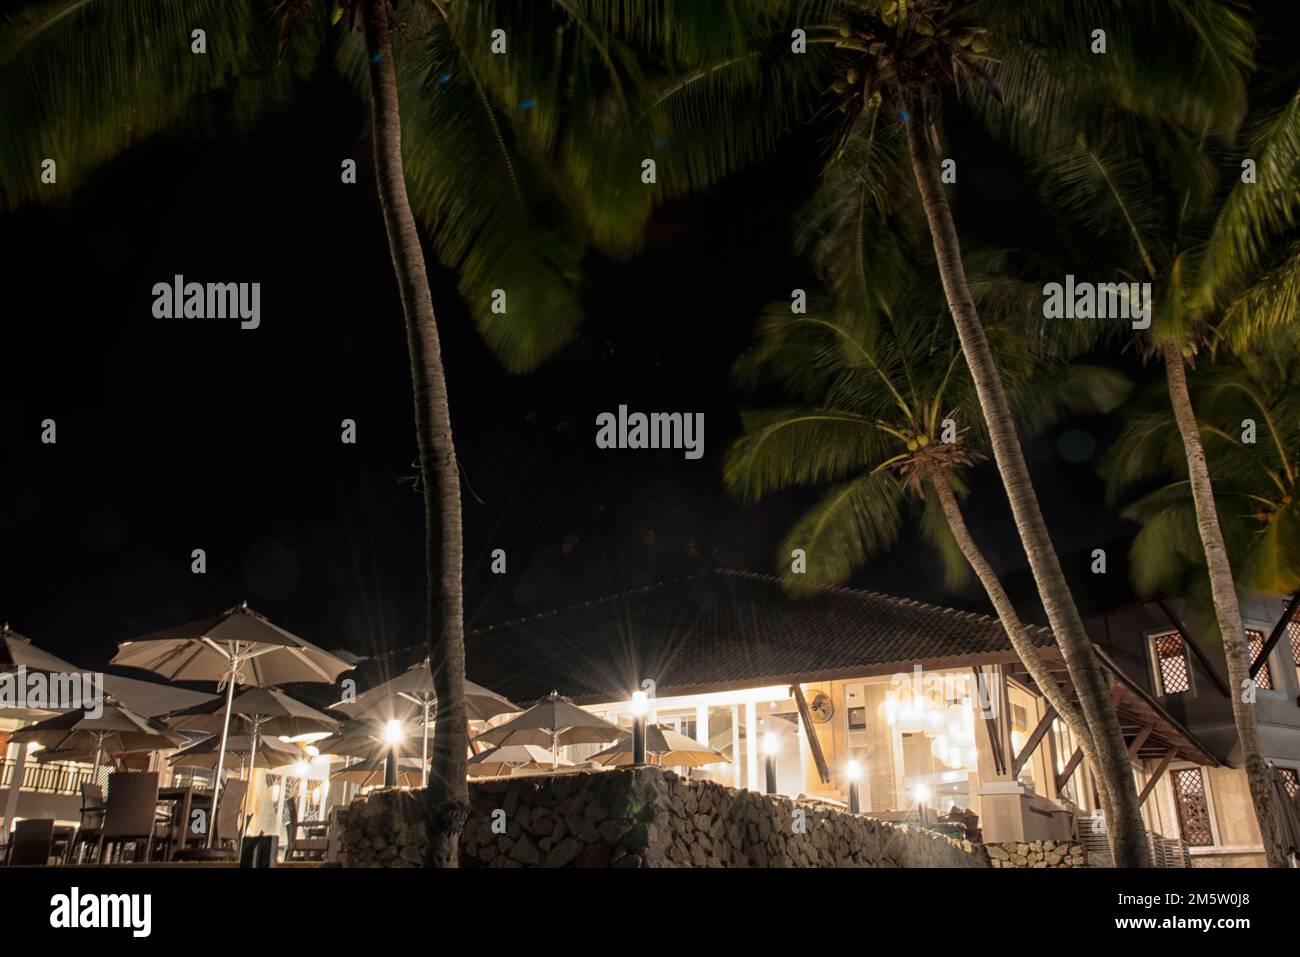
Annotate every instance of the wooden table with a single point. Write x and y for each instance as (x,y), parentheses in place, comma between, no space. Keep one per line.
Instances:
(184,800)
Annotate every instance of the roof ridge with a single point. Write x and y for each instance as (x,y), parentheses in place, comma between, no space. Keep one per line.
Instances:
(864,592)
(584,604)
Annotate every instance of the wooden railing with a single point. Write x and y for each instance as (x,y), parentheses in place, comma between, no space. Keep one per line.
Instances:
(57,778)
(1165,851)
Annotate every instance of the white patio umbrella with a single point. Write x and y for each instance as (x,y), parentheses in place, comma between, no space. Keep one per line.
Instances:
(412,692)
(238,646)
(153,699)
(551,722)
(672,748)
(264,711)
(18,654)
(371,771)
(208,753)
(499,761)
(115,730)
(364,738)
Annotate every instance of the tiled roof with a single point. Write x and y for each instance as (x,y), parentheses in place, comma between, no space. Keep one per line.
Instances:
(717,629)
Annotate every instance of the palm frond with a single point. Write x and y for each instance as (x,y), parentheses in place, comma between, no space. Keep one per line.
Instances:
(852,522)
(789,447)
(1271,302)
(1108,195)
(708,112)
(1253,214)
(82,80)
(957,573)
(494,210)
(1180,61)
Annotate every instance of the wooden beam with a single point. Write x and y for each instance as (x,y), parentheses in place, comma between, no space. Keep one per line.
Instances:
(1155,777)
(995,735)
(1275,634)
(1139,739)
(1035,737)
(823,771)
(1063,778)
(1196,651)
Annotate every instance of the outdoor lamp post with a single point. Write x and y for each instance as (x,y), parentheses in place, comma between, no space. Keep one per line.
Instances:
(922,794)
(853,771)
(770,746)
(638,727)
(393,735)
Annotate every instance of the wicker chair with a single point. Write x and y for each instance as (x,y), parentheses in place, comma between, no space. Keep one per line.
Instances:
(228,813)
(131,814)
(92,821)
(308,840)
(31,843)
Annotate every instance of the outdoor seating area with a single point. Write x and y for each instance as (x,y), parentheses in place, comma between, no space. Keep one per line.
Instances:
(157,774)
(196,782)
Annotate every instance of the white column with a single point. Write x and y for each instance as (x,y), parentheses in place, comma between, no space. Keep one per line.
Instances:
(279,805)
(11,801)
(702,730)
(751,746)
(735,745)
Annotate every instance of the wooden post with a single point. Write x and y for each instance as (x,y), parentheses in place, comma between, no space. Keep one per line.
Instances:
(1155,777)
(1138,740)
(1064,777)
(1035,737)
(823,771)
(1275,634)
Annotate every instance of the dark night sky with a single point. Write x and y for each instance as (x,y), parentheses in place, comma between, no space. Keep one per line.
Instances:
(174,435)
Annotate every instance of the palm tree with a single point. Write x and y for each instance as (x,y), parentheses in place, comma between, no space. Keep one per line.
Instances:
(878,381)
(517,163)
(1023,67)
(873,405)
(1175,210)
(1256,485)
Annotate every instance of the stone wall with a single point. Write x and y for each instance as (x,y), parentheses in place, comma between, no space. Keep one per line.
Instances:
(642,817)
(1037,854)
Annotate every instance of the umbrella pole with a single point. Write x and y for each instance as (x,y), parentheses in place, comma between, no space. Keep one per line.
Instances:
(555,748)
(99,750)
(424,755)
(221,755)
(248,791)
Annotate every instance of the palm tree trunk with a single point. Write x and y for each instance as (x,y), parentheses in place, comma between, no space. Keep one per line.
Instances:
(1226,608)
(447,797)
(1113,767)
(1007,614)
(1014,628)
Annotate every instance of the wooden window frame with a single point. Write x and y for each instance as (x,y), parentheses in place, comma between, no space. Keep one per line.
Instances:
(1153,660)
(1171,775)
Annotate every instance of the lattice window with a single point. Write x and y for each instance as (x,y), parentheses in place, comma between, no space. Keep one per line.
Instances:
(1291,780)
(1293,629)
(1254,645)
(1171,664)
(1193,807)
